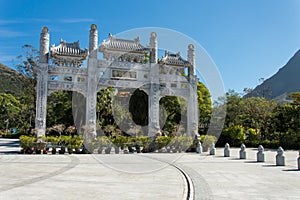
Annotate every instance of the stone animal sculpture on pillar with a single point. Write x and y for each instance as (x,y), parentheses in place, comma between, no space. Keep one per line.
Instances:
(280,159)
(243,152)
(260,154)
(212,150)
(227,150)
(199,148)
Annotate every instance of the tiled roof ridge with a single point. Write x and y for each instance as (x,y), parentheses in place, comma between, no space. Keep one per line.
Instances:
(68,49)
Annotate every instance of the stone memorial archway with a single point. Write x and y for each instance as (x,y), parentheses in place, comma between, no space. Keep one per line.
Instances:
(125,64)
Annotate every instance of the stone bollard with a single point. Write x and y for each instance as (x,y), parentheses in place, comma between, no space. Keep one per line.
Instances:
(227,150)
(125,150)
(199,148)
(212,150)
(243,152)
(260,154)
(299,161)
(280,159)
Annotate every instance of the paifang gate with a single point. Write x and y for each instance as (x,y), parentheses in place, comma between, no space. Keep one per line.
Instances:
(123,66)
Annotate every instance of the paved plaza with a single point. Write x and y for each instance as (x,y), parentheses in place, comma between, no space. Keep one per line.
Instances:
(146,176)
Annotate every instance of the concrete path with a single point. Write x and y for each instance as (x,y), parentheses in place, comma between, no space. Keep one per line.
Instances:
(148,176)
(8,146)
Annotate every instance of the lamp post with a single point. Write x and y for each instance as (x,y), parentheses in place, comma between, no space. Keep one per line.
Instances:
(30,119)
(7,123)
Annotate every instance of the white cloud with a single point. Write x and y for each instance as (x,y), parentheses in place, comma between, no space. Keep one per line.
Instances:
(28,20)
(7,58)
(76,20)
(9,33)
(40,20)
(4,21)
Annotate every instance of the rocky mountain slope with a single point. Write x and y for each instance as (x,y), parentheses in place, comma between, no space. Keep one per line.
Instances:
(10,81)
(285,81)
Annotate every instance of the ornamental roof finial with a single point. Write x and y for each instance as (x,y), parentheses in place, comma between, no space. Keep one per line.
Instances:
(191,47)
(93,27)
(45,29)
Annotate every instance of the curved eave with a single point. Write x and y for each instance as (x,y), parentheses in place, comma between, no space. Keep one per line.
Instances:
(175,64)
(104,49)
(79,57)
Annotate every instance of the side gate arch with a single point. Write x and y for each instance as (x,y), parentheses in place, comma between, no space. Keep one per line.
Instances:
(125,64)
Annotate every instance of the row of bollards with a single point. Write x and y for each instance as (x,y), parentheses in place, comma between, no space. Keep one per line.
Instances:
(260,156)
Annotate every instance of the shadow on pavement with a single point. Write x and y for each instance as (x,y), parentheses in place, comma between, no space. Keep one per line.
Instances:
(291,170)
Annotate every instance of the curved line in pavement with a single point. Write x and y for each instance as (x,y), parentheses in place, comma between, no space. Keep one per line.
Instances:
(189,186)
(197,185)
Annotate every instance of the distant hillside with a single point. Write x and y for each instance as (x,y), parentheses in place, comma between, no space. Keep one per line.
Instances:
(285,81)
(10,80)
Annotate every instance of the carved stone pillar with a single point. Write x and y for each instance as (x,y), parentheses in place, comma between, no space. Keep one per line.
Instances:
(154,48)
(91,97)
(191,59)
(42,84)
(154,96)
(192,108)
(93,41)
(44,45)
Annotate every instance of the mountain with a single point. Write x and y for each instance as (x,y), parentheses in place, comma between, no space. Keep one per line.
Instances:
(10,81)
(281,84)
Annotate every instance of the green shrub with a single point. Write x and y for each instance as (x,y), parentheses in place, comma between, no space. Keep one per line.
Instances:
(184,142)
(290,140)
(146,141)
(103,141)
(253,137)
(54,140)
(273,144)
(78,141)
(236,133)
(254,143)
(64,140)
(27,142)
(11,135)
(207,140)
(252,134)
(162,141)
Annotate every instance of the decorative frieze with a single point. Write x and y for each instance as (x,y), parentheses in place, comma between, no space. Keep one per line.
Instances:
(67,70)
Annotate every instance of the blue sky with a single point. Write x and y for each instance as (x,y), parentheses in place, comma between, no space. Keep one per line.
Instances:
(247,40)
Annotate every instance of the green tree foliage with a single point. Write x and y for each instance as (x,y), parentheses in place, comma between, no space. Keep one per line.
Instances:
(17,113)
(111,112)
(27,64)
(59,109)
(287,125)
(204,107)
(256,120)
(104,107)
(172,112)
(253,112)
(236,134)
(10,109)
(234,108)
(257,114)
(287,117)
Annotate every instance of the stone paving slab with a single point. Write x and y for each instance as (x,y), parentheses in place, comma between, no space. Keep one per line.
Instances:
(148,176)
(84,177)
(233,178)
